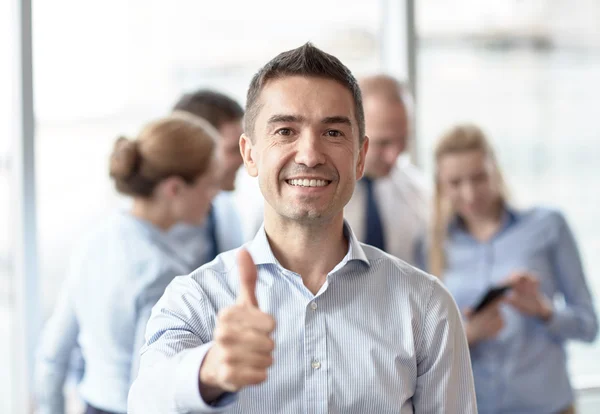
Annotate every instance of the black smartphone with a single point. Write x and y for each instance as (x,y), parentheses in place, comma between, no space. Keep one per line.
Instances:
(491,295)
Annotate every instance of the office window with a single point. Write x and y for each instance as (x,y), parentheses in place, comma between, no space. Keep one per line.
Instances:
(528,72)
(121,63)
(7,239)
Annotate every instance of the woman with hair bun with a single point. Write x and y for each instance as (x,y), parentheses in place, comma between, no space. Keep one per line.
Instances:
(120,270)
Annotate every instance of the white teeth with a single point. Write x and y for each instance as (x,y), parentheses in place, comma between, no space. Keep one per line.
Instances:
(308,183)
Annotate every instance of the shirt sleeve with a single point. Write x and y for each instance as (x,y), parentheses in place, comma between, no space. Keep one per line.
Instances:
(444,376)
(149,296)
(58,340)
(177,340)
(577,319)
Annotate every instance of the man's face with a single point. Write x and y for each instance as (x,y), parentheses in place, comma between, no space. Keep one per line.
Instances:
(387,129)
(304,148)
(229,153)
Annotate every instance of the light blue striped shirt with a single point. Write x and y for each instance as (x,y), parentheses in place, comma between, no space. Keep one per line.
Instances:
(524,369)
(379,337)
(117,273)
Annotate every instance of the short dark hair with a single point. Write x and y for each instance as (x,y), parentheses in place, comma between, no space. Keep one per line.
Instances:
(216,107)
(307,60)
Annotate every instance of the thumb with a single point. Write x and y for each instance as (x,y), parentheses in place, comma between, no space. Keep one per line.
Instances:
(248,276)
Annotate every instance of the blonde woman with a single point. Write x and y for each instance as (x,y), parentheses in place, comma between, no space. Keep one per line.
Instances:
(478,241)
(121,269)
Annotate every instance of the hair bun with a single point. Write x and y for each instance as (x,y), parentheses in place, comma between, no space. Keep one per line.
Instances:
(124,158)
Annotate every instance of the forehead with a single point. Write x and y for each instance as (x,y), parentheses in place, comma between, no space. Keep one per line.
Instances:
(311,97)
(382,115)
(463,163)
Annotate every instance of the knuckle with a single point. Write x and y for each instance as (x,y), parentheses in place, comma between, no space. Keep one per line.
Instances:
(262,375)
(258,377)
(228,374)
(228,357)
(220,333)
(228,314)
(269,360)
(271,324)
(224,335)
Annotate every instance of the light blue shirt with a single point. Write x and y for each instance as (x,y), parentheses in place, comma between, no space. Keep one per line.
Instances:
(379,337)
(116,275)
(524,369)
(194,242)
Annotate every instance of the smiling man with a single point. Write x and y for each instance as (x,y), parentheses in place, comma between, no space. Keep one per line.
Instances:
(304,318)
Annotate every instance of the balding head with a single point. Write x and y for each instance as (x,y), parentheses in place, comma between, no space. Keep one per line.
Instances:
(387,103)
(385,87)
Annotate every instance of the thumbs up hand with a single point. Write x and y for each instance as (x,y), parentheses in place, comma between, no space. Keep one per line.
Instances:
(248,276)
(242,347)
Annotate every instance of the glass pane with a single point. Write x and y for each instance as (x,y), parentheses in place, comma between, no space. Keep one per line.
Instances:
(101,83)
(122,62)
(532,82)
(7,82)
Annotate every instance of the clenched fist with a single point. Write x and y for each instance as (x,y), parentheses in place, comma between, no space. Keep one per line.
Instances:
(242,345)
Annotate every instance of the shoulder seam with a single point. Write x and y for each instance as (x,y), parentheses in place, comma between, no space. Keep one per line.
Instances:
(422,332)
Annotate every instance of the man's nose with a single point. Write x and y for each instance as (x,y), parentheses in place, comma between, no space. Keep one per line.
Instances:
(309,150)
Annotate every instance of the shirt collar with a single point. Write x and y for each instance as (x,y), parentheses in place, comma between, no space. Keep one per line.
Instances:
(156,237)
(261,252)
(509,217)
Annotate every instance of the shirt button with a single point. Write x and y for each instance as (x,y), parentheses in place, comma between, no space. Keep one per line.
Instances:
(315,364)
(313,306)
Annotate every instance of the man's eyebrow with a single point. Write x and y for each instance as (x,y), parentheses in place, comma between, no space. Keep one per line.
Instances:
(278,118)
(337,120)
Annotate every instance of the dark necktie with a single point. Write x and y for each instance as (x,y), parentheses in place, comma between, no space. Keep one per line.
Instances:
(374,228)
(211,223)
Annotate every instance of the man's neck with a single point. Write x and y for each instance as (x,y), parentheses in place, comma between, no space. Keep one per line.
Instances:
(310,249)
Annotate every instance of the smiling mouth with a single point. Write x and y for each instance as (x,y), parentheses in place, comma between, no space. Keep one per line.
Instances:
(305,182)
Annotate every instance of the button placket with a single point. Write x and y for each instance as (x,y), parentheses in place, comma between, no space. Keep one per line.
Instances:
(315,348)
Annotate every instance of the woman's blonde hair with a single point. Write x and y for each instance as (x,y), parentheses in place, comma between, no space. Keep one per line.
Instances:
(180,144)
(460,138)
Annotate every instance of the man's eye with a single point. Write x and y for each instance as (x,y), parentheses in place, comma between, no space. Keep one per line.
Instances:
(334,133)
(284,131)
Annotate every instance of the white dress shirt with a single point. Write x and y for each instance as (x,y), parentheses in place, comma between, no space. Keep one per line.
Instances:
(402,199)
(379,337)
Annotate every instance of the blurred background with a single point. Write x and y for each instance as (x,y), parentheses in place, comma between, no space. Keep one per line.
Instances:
(81,73)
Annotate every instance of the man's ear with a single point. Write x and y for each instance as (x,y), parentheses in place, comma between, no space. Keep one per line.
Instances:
(246,147)
(362,153)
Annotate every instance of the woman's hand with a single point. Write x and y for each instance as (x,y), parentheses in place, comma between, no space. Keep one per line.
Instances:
(527,298)
(485,324)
